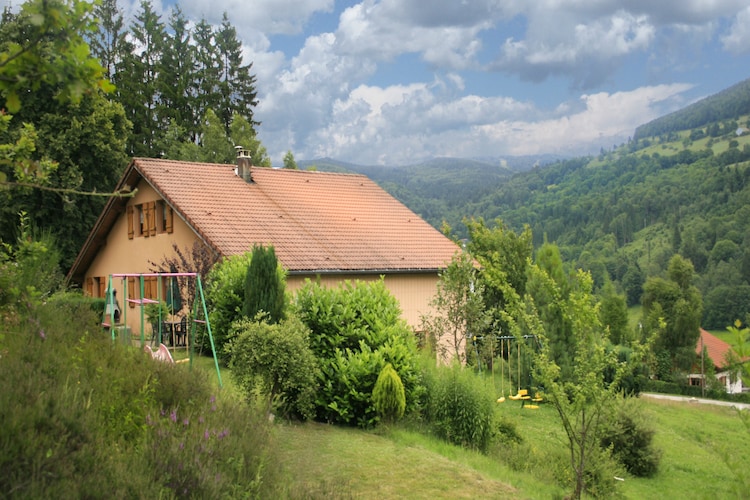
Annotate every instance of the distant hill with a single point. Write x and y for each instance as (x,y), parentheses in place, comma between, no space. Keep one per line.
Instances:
(729,104)
(441,188)
(681,186)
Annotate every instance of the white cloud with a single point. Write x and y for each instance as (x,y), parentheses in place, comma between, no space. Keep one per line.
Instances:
(606,119)
(268,16)
(328,99)
(738,39)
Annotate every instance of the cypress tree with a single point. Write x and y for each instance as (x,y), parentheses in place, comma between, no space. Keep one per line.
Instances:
(264,287)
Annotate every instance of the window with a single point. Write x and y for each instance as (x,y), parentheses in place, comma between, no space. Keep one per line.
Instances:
(142,219)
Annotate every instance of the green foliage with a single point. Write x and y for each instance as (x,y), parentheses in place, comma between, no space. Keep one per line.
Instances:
(459,407)
(356,329)
(225,291)
(727,104)
(50,49)
(79,414)
(289,162)
(388,395)
(679,303)
(264,286)
(613,314)
(276,360)
(458,306)
(157,311)
(724,304)
(630,436)
(29,272)
(583,396)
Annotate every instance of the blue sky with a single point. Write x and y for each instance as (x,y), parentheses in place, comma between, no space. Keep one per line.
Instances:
(396,82)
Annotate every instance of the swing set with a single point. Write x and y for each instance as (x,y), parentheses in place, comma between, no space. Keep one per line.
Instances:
(527,400)
(199,314)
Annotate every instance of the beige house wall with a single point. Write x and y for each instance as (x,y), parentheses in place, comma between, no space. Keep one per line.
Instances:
(121,255)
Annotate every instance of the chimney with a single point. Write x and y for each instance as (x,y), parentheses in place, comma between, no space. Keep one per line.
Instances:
(243,163)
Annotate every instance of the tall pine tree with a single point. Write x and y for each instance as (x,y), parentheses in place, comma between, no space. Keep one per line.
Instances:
(237,85)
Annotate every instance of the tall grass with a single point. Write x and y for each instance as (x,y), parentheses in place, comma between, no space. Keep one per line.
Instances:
(83,417)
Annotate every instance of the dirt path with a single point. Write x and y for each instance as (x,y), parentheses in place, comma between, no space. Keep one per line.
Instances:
(688,399)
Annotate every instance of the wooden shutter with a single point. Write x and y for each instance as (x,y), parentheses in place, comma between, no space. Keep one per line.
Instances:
(168,218)
(151,218)
(145,213)
(90,286)
(129,216)
(131,290)
(150,287)
(102,285)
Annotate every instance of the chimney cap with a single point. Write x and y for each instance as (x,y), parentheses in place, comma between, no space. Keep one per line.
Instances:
(242,152)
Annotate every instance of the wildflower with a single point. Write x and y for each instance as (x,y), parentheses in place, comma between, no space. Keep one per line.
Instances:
(186,421)
(206,434)
(148,420)
(173,416)
(213,399)
(182,445)
(42,335)
(224,433)
(201,419)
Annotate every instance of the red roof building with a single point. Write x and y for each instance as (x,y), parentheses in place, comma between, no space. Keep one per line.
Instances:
(327,226)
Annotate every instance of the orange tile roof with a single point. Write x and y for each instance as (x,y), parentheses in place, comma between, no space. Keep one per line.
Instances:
(716,348)
(316,221)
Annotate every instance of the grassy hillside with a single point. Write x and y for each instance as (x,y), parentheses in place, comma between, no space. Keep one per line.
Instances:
(705,453)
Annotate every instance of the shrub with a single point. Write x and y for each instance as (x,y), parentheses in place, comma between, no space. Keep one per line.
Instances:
(276,360)
(459,407)
(356,329)
(225,296)
(388,395)
(225,289)
(83,416)
(631,439)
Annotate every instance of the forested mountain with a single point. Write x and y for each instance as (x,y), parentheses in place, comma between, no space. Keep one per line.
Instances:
(441,189)
(727,105)
(623,214)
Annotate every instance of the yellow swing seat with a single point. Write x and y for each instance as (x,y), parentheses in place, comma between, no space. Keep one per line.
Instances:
(522,394)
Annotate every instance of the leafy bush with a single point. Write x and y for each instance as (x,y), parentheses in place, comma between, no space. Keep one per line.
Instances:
(225,291)
(459,407)
(357,329)
(225,295)
(630,438)
(388,395)
(276,360)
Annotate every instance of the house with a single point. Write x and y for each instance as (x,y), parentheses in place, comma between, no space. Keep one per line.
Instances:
(717,351)
(327,226)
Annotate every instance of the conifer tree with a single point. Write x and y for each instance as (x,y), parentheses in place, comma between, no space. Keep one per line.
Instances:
(177,67)
(264,288)
(236,84)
